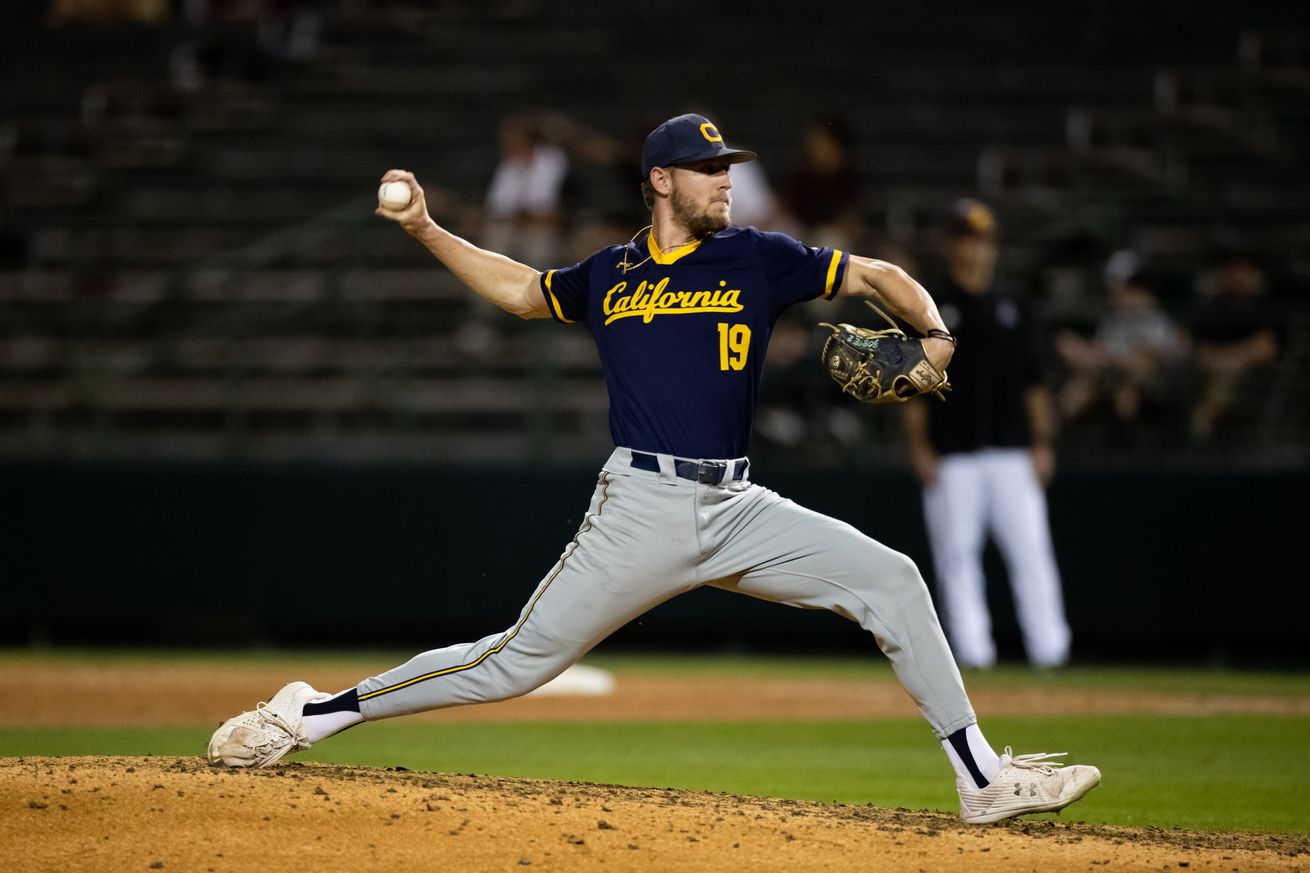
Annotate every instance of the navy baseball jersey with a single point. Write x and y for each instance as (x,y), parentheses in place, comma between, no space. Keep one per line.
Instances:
(682,334)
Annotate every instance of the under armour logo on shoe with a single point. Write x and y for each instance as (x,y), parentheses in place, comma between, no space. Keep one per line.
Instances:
(1031,789)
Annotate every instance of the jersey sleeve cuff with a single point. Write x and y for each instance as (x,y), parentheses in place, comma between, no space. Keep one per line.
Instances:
(835,274)
(552,302)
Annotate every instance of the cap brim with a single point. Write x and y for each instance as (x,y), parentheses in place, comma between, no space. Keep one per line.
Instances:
(734,156)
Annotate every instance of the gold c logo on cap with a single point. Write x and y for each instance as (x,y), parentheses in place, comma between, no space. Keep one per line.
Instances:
(710,132)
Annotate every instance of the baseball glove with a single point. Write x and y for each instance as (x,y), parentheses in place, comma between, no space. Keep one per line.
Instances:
(880,366)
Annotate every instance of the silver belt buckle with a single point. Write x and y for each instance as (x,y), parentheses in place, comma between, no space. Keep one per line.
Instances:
(710,472)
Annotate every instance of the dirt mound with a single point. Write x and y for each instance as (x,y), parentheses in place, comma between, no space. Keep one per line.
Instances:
(109,814)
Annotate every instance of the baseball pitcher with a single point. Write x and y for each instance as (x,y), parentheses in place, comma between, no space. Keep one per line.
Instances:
(681,316)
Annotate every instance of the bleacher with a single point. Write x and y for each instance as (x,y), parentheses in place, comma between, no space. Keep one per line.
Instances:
(192,269)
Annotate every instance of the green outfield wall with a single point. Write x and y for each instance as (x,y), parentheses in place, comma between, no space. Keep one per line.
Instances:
(1156,564)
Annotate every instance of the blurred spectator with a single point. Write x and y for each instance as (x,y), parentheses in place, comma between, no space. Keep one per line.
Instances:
(1233,334)
(602,167)
(821,194)
(620,157)
(525,200)
(1131,355)
(523,209)
(985,455)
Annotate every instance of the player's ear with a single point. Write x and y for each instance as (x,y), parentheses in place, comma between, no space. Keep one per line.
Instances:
(661,180)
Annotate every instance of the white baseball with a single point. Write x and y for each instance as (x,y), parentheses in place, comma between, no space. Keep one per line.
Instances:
(395,195)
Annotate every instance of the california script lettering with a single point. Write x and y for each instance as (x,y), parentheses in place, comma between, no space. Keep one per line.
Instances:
(649,300)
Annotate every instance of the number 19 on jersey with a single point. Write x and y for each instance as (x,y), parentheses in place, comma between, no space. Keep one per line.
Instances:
(734,343)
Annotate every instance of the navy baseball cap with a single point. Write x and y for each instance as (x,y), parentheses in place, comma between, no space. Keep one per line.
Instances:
(686,139)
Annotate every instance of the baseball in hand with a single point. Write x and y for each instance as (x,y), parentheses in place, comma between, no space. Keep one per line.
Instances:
(395,195)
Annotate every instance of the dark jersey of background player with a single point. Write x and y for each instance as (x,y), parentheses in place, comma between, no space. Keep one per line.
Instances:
(998,359)
(682,335)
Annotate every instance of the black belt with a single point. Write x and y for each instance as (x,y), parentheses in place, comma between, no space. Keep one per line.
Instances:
(704,472)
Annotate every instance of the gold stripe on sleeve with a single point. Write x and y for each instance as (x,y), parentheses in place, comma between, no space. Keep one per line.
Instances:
(829,288)
(554,301)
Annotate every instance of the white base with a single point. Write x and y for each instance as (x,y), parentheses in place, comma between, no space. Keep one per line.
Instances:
(578,680)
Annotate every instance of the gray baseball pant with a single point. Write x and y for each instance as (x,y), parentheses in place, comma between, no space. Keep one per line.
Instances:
(649,536)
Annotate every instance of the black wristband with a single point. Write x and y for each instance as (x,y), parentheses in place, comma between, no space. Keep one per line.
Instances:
(941,334)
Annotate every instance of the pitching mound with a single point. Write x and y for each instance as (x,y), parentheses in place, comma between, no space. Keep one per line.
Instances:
(110,814)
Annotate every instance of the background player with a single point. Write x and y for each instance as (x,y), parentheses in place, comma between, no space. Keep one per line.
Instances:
(985,456)
(681,317)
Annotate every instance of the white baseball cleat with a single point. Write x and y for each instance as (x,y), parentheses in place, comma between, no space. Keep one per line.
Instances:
(262,736)
(1026,784)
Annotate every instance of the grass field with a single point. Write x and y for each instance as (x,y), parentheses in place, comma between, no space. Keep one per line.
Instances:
(1228,772)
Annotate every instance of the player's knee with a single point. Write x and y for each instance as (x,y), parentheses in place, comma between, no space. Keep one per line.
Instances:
(887,590)
(902,580)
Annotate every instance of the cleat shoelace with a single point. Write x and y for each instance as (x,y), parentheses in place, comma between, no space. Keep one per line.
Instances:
(272,718)
(1039,762)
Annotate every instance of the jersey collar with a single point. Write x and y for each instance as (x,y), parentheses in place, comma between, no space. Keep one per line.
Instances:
(660,256)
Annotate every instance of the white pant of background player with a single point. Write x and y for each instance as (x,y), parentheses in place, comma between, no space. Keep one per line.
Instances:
(995,491)
(650,535)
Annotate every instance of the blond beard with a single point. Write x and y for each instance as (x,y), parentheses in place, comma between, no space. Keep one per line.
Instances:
(699,225)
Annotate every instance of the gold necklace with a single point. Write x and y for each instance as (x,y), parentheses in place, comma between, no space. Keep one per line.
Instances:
(625,266)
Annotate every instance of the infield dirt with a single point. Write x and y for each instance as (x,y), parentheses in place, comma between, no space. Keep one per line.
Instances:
(110,814)
(164,813)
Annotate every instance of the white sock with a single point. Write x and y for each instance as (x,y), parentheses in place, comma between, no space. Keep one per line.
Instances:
(320,726)
(972,756)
